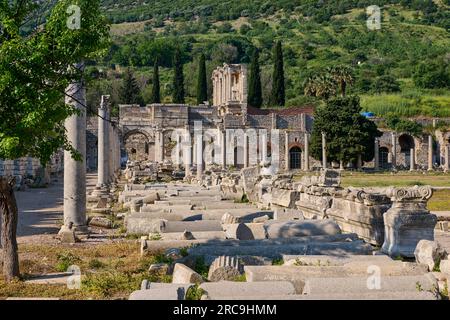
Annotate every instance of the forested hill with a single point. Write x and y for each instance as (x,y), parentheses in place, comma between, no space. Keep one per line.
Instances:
(404,67)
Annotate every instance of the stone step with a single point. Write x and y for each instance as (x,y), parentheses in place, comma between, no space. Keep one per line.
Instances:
(356,285)
(217,290)
(269,251)
(161,291)
(288,229)
(332,260)
(302,273)
(199,235)
(340,296)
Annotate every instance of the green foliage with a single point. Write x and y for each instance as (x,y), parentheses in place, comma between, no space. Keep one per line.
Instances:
(202,84)
(130,92)
(277,262)
(178,79)
(96,264)
(35,70)
(278,96)
(65,260)
(386,84)
(194,293)
(400,125)
(254,83)
(201,267)
(431,75)
(156,90)
(348,133)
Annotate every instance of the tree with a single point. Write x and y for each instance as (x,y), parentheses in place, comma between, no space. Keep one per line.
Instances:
(178,79)
(130,92)
(348,133)
(35,69)
(343,76)
(321,86)
(202,82)
(432,75)
(278,96)
(387,84)
(254,84)
(156,90)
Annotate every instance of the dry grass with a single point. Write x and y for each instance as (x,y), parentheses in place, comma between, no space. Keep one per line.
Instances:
(109,271)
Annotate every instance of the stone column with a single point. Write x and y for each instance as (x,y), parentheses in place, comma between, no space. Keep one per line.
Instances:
(324,150)
(430,153)
(377,154)
(160,147)
(306,166)
(394,151)
(187,152)
(75,171)
(447,158)
(412,160)
(199,152)
(103,145)
(246,151)
(223,149)
(286,151)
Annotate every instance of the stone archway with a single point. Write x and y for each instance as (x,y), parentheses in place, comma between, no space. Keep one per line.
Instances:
(295,158)
(406,143)
(138,147)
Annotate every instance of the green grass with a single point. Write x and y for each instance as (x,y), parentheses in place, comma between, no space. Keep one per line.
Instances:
(402,179)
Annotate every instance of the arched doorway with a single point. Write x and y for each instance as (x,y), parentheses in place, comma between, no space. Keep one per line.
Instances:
(406,144)
(383,157)
(138,148)
(295,158)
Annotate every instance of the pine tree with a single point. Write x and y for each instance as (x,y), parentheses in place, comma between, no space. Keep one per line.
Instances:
(202,85)
(255,89)
(130,92)
(278,96)
(156,95)
(178,80)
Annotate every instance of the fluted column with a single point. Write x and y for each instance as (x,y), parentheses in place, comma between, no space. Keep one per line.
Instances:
(75,171)
(103,145)
(394,151)
(412,160)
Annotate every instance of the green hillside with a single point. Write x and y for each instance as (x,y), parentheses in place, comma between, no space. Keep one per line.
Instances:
(402,68)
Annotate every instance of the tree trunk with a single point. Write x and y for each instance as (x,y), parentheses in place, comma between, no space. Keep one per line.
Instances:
(9,217)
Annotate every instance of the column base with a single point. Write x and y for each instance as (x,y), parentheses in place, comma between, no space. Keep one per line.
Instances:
(74,234)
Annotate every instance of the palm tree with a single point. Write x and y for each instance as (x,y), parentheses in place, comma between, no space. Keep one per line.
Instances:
(343,76)
(320,86)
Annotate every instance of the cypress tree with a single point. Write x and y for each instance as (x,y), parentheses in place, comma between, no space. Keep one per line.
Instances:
(278,96)
(130,92)
(202,85)
(178,80)
(156,95)
(255,89)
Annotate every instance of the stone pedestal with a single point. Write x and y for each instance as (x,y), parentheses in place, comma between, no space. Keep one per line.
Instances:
(75,171)
(408,221)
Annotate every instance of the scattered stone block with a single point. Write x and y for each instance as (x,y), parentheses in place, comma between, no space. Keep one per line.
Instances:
(161,268)
(230,219)
(245,231)
(101,222)
(225,268)
(151,198)
(445,266)
(161,291)
(68,235)
(429,253)
(183,274)
(187,235)
(286,214)
(288,229)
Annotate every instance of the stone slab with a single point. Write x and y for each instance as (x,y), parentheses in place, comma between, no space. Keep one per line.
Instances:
(220,289)
(287,229)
